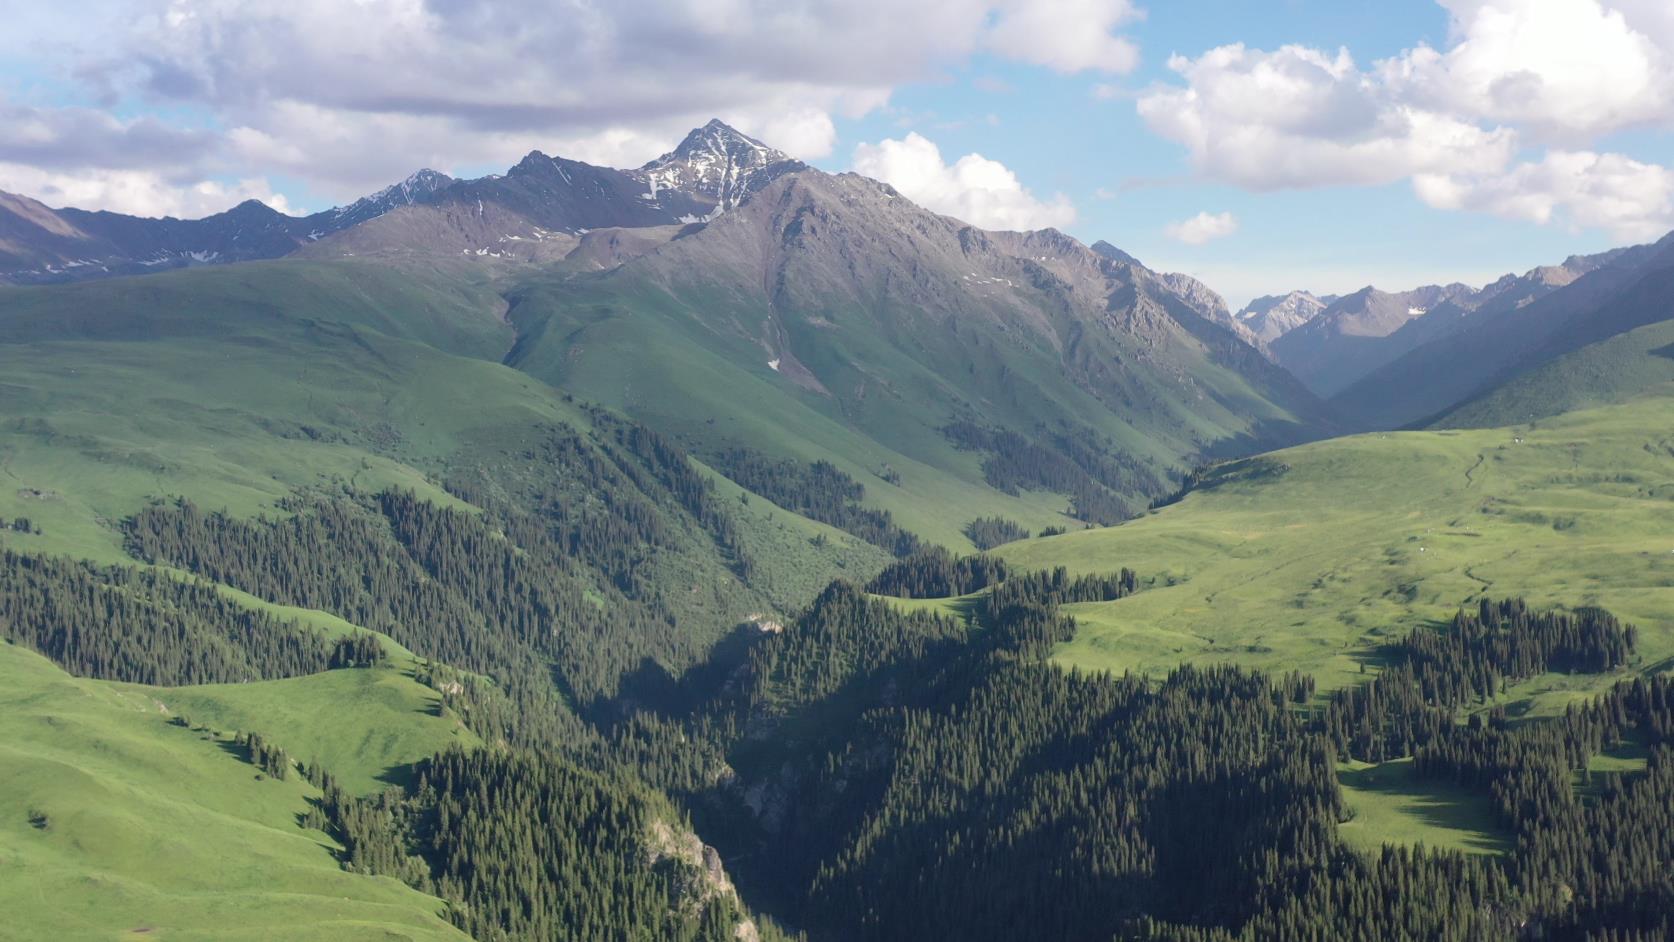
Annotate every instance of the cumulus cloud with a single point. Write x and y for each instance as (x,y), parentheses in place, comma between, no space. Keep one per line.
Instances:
(1300,117)
(1631,200)
(137,192)
(348,96)
(1488,124)
(1067,35)
(1204,227)
(1562,69)
(973,188)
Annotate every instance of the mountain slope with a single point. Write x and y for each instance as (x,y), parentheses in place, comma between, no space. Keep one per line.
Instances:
(1306,558)
(1513,332)
(1349,337)
(1633,363)
(1270,317)
(827,306)
(150,827)
(250,387)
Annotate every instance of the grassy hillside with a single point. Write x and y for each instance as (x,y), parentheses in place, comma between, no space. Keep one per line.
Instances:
(236,386)
(1311,558)
(1611,371)
(828,319)
(1307,558)
(649,357)
(114,823)
(366,726)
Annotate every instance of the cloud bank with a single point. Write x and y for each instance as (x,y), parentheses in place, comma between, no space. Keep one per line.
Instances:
(347,96)
(1504,120)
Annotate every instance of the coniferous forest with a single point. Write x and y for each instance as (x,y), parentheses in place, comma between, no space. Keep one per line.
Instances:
(863,772)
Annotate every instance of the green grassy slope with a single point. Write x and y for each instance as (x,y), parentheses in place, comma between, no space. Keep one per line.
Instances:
(1305,558)
(1309,558)
(1610,371)
(648,356)
(1389,803)
(156,831)
(236,386)
(366,726)
(830,320)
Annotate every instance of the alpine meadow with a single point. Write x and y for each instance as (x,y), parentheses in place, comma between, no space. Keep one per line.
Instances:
(742,484)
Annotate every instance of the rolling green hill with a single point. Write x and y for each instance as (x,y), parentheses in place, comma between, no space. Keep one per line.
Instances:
(1310,557)
(116,823)
(241,386)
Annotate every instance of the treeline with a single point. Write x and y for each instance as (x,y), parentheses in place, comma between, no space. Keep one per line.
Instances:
(670,468)
(142,626)
(1104,486)
(1053,587)
(820,491)
(989,532)
(935,573)
(508,600)
(1258,468)
(1432,673)
(269,757)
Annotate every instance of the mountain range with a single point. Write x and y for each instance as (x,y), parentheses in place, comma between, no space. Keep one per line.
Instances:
(745,303)
(540,200)
(723,549)
(830,277)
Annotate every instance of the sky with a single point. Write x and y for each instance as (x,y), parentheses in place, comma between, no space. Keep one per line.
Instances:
(1259,145)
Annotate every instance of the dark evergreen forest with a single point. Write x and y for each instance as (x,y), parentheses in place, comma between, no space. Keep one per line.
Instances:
(865,773)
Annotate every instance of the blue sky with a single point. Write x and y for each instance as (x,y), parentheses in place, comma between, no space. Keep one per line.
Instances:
(1457,140)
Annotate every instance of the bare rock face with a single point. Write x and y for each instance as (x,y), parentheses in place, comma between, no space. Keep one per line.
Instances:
(702,876)
(1270,317)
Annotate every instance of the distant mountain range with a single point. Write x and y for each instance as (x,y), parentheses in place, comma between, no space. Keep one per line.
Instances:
(538,209)
(1515,326)
(826,277)
(1388,359)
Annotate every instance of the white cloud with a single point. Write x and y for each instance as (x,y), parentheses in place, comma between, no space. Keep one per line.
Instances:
(1202,228)
(348,96)
(137,192)
(1299,117)
(1632,200)
(975,189)
(1488,124)
(1067,35)
(1563,69)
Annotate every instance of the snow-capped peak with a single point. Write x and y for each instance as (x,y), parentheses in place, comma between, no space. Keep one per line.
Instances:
(717,162)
